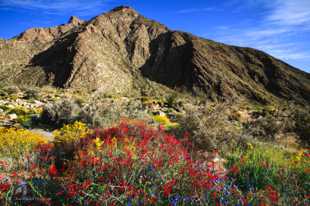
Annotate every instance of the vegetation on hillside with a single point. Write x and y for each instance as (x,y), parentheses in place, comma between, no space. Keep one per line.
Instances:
(167,150)
(134,164)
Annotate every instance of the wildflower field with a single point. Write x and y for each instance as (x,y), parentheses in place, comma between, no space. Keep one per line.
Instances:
(135,164)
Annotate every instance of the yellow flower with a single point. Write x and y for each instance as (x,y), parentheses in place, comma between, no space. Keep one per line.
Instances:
(15,142)
(98,142)
(162,119)
(165,121)
(299,155)
(91,153)
(250,146)
(71,132)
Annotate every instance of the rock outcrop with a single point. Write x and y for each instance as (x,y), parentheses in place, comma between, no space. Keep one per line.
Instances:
(121,51)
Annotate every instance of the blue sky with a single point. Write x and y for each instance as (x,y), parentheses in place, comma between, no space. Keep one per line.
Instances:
(279,27)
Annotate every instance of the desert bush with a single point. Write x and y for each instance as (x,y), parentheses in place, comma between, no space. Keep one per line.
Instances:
(31,93)
(11,90)
(61,112)
(285,118)
(171,100)
(302,124)
(265,127)
(210,126)
(97,112)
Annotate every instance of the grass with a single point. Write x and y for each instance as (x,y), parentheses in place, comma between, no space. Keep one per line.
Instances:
(260,166)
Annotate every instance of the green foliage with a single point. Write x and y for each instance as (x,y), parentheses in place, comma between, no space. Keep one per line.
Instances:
(171,100)
(262,165)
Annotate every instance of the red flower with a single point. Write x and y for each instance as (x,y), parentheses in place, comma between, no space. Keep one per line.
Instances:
(169,139)
(214,195)
(272,194)
(52,170)
(124,128)
(14,174)
(86,184)
(192,172)
(72,190)
(60,193)
(95,160)
(157,163)
(168,187)
(234,170)
(4,187)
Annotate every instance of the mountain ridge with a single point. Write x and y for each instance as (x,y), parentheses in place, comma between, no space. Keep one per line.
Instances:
(122,52)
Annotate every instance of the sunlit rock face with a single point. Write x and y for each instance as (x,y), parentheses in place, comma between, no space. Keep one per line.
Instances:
(121,52)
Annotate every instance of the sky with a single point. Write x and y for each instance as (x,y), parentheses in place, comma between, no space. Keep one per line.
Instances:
(278,27)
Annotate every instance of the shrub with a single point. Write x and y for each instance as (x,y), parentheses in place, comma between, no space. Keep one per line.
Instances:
(265,127)
(210,126)
(172,99)
(61,112)
(101,112)
(302,125)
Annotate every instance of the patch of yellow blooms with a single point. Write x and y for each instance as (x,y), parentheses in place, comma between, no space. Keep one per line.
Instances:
(165,121)
(125,145)
(71,132)
(15,142)
(300,158)
(250,146)
(98,143)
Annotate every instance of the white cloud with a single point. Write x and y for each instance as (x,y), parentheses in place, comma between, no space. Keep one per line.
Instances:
(267,32)
(83,7)
(277,32)
(290,12)
(275,42)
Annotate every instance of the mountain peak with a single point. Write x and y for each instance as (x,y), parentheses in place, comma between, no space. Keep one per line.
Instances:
(121,51)
(75,20)
(124,9)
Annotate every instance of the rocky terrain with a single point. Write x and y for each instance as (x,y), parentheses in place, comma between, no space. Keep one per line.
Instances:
(122,52)
(123,65)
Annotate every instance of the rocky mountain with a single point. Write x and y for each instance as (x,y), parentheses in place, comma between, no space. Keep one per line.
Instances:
(123,52)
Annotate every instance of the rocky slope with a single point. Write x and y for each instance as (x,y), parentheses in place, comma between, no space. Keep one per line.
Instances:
(123,52)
